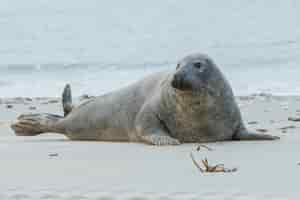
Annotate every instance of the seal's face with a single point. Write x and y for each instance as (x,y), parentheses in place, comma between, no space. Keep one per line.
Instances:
(195,73)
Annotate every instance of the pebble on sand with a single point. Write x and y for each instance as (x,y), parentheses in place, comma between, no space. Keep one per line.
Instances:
(32,108)
(9,106)
(262,130)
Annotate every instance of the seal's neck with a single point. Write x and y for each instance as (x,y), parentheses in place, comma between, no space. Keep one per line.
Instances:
(182,100)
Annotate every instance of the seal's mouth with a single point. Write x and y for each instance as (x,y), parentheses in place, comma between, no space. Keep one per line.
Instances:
(182,86)
(200,91)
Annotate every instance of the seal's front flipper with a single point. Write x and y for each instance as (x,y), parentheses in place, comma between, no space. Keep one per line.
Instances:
(158,139)
(151,130)
(34,124)
(154,135)
(67,100)
(245,135)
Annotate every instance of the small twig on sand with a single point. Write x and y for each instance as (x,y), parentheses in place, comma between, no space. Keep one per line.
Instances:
(204,146)
(294,119)
(287,127)
(211,169)
(253,122)
(53,154)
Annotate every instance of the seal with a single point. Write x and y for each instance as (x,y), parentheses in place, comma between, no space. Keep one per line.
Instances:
(193,103)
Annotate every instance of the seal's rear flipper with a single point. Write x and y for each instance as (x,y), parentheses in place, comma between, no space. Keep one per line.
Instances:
(67,100)
(245,135)
(34,124)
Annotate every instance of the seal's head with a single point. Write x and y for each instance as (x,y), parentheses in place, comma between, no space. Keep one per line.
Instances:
(195,73)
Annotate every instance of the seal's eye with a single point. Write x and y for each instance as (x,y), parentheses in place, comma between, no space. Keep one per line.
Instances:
(198,65)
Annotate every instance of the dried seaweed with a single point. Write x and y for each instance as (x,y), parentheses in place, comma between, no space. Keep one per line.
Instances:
(203,146)
(211,169)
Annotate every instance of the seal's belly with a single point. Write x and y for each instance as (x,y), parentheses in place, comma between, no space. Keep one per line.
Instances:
(205,127)
(214,131)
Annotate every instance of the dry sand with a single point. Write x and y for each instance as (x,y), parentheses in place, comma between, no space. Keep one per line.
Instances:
(52,167)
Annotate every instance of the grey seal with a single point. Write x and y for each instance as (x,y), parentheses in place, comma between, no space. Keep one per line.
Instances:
(193,103)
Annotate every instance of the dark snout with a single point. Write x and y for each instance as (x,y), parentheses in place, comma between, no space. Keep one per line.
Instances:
(180,82)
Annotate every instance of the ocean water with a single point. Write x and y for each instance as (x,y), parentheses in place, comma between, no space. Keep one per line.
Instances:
(98,46)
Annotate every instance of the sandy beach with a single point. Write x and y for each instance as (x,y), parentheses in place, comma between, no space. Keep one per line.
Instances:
(50,166)
(100,46)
